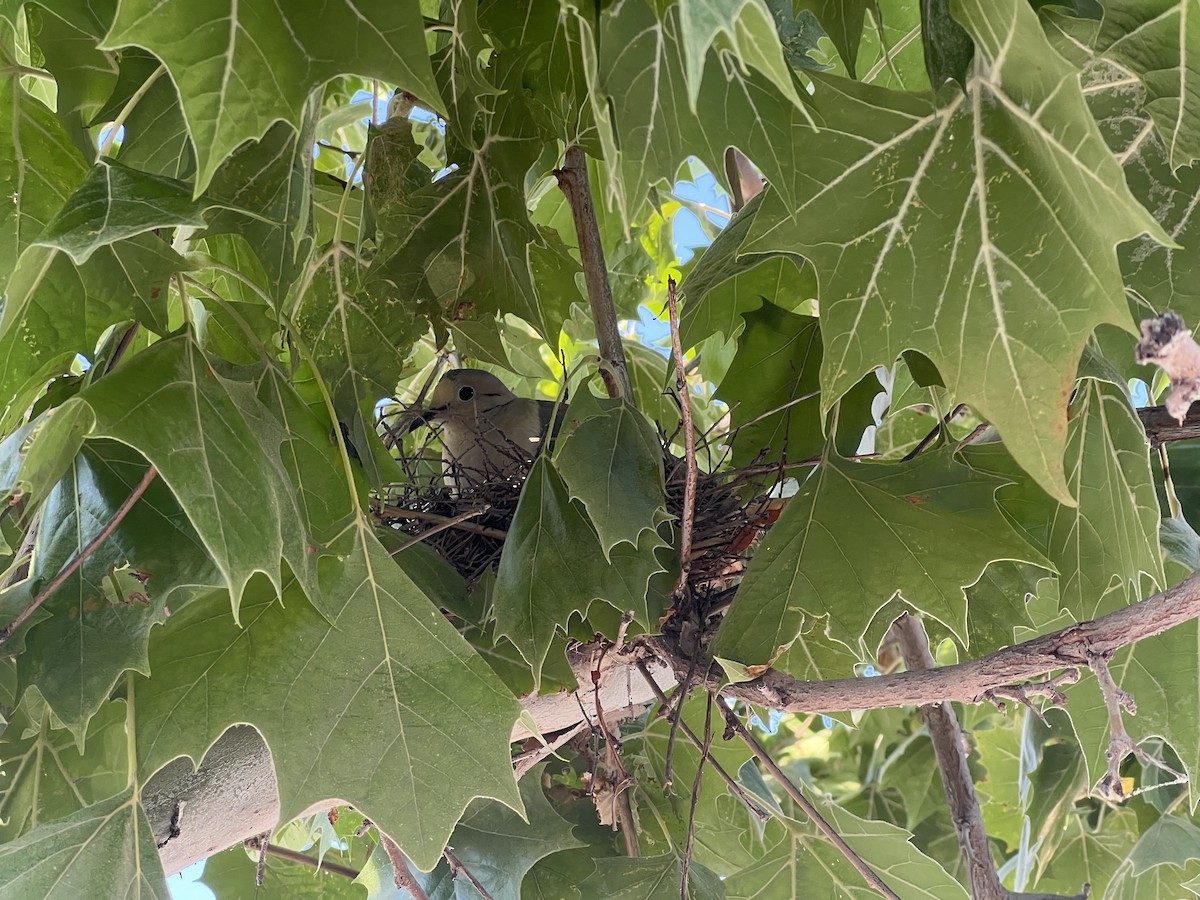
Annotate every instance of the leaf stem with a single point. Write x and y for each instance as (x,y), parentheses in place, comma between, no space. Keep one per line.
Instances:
(119,122)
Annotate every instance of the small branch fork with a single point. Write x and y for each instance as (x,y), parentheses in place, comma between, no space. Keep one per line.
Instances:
(1120,744)
(949,746)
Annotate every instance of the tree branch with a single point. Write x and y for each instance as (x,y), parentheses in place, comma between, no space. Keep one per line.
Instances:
(1161,427)
(948,740)
(968,682)
(573,180)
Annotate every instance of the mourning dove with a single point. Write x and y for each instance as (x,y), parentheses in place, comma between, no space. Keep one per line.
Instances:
(488,432)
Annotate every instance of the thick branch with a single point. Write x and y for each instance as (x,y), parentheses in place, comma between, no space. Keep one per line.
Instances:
(967,682)
(1161,427)
(948,741)
(573,179)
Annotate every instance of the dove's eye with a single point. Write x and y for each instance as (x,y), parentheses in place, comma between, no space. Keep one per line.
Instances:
(466,392)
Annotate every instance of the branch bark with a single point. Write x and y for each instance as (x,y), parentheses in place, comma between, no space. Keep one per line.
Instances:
(1162,428)
(948,740)
(233,795)
(969,682)
(575,185)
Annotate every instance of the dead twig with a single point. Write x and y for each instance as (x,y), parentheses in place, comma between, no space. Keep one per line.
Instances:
(734,726)
(734,787)
(924,443)
(615,772)
(682,593)
(73,566)
(458,522)
(1024,693)
(449,523)
(526,761)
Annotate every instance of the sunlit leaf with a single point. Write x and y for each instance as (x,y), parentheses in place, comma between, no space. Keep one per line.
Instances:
(241,67)
(996,262)
(809,561)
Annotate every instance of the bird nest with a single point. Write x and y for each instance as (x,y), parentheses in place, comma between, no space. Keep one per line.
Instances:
(468,529)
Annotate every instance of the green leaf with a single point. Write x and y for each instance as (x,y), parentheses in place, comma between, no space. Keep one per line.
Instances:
(725,283)
(645,120)
(263,192)
(650,878)
(548,537)
(948,47)
(1112,534)
(55,310)
(721,820)
(105,617)
(67,35)
(1087,854)
(35,456)
(47,776)
(1159,41)
(611,459)
(952,260)
(745,31)
(115,203)
(385,681)
(812,560)
(241,67)
(38,169)
(224,446)
(495,844)
(103,850)
(842,21)
(778,361)
(801,863)
(156,136)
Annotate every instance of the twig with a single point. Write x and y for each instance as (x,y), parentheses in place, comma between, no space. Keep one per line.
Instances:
(924,443)
(967,682)
(402,875)
(734,726)
(266,849)
(1047,689)
(573,180)
(457,868)
(948,746)
(613,764)
(526,761)
(689,443)
(57,581)
(690,843)
(1120,744)
(423,516)
(735,788)
(675,716)
(449,523)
